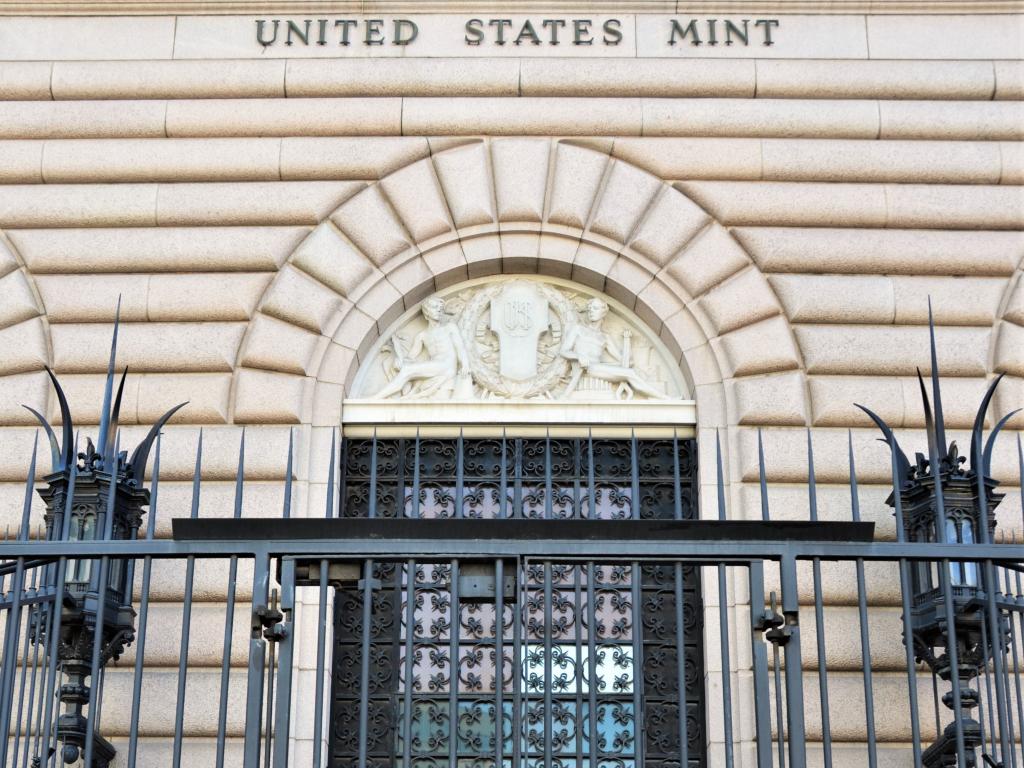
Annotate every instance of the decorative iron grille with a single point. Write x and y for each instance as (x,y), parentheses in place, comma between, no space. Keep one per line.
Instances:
(584,667)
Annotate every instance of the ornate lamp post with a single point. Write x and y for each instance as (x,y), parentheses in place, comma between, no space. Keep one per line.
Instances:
(96,495)
(956,621)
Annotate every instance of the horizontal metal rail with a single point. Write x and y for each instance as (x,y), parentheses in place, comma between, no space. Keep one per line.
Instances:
(616,549)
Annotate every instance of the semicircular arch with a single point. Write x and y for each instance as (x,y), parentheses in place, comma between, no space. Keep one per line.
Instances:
(523,206)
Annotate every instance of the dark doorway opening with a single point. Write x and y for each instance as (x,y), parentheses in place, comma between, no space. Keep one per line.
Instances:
(566,663)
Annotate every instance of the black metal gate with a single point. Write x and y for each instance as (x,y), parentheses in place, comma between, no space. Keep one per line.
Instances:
(566,663)
(545,632)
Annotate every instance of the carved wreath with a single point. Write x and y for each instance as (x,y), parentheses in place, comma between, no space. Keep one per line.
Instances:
(486,375)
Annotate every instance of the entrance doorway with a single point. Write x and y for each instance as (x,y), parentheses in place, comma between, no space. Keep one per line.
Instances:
(562,663)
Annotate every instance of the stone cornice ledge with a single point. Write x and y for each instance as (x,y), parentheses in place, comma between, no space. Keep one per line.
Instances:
(543,414)
(335,7)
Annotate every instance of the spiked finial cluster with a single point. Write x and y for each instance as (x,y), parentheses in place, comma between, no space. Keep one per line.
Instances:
(942,457)
(102,455)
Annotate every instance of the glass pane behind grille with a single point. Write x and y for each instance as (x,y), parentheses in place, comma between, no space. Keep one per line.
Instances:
(583,646)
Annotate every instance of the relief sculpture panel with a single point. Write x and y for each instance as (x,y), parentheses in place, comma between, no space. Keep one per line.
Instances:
(519,338)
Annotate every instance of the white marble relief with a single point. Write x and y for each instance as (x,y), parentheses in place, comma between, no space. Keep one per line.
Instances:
(518,338)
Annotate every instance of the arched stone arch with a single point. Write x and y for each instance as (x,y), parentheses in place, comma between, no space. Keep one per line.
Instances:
(24,338)
(523,205)
(532,205)
(1007,342)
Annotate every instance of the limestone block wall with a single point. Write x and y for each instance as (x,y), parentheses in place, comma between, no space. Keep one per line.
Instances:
(780,223)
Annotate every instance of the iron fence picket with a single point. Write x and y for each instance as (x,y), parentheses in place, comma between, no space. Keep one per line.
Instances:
(989,709)
(819,616)
(229,615)
(759,666)
(793,664)
(723,619)
(271,678)
(62,521)
(286,661)
(1014,635)
(256,673)
(107,517)
(140,642)
(905,599)
(321,625)
(862,615)
(186,617)
(677,514)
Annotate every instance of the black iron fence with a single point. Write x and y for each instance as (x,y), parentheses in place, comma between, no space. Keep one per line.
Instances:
(583,621)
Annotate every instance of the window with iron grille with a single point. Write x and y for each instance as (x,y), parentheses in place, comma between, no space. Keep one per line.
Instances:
(582,665)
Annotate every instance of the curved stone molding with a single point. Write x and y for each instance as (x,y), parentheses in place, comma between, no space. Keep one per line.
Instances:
(1007,343)
(561,209)
(24,339)
(519,337)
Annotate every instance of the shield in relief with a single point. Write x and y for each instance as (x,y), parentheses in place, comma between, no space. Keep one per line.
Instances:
(519,315)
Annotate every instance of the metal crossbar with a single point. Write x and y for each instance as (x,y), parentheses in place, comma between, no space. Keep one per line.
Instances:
(1007,555)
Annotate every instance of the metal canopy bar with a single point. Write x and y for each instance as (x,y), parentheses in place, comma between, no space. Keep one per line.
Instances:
(521,530)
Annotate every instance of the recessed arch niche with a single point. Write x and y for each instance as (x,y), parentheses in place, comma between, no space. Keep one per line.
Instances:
(520,348)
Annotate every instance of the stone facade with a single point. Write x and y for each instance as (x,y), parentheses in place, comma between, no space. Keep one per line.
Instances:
(775,216)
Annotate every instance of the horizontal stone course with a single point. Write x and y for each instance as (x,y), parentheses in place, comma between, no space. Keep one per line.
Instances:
(82,119)
(693,158)
(224,79)
(525,115)
(997,120)
(882,350)
(297,78)
(95,205)
(950,162)
(284,117)
(1009,79)
(883,299)
(896,399)
(882,251)
(402,77)
(860,205)
(169,347)
(754,117)
(214,296)
(25,80)
(630,77)
(789,79)
(21,162)
(121,160)
(254,204)
(790,204)
(311,158)
(150,249)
